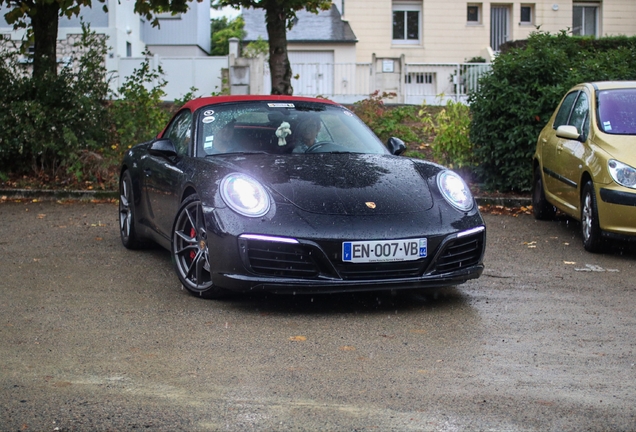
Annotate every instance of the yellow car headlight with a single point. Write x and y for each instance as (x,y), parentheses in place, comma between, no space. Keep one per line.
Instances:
(622,174)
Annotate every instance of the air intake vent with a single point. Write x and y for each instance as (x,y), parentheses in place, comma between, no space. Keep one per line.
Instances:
(280,259)
(460,253)
(388,270)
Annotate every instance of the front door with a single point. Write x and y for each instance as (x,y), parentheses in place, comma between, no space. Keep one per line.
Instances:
(499,26)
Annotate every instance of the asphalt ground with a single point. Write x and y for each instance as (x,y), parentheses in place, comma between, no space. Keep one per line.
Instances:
(94,337)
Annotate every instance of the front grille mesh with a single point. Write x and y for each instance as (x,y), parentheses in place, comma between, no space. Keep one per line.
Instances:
(389,270)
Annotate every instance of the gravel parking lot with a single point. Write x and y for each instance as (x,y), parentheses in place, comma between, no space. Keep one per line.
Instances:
(97,337)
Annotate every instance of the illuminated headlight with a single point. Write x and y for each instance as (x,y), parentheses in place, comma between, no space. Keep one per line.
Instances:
(622,174)
(244,195)
(455,190)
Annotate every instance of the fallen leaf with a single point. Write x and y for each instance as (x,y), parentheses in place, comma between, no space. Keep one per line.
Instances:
(298,338)
(99,238)
(41,216)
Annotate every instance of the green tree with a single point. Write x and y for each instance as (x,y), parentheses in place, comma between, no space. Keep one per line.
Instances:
(222,30)
(279,15)
(40,18)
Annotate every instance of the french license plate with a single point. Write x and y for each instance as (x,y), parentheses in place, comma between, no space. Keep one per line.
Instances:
(384,250)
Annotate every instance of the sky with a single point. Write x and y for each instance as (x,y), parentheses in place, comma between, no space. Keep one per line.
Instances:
(229,12)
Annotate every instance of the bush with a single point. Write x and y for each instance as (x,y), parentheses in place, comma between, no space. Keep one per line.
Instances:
(386,122)
(52,125)
(450,126)
(138,114)
(517,98)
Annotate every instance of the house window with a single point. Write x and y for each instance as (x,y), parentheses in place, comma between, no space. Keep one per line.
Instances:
(585,19)
(128,49)
(406,23)
(473,13)
(526,15)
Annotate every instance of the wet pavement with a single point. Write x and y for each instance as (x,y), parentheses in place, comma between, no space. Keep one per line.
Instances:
(96,337)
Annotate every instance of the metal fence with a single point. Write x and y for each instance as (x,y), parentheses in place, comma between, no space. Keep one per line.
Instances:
(428,83)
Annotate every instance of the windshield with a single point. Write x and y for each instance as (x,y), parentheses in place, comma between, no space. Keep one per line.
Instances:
(283,127)
(617,111)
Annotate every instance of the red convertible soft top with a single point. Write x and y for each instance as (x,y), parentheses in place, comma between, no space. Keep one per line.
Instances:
(195,104)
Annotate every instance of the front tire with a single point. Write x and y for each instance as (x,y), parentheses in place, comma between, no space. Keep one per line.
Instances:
(190,250)
(590,228)
(541,208)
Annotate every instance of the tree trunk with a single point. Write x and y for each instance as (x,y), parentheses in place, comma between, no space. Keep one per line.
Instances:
(45,24)
(279,66)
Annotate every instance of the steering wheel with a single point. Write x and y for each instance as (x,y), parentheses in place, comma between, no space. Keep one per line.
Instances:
(317,145)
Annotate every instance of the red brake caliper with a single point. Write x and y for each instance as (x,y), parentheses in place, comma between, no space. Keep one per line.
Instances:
(192,234)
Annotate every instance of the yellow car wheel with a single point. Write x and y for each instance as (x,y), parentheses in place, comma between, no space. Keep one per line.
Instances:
(592,238)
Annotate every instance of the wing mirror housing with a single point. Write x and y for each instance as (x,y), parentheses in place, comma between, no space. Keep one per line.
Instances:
(396,146)
(163,147)
(568,132)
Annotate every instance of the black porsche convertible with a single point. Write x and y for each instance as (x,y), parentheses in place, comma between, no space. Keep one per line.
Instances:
(295,195)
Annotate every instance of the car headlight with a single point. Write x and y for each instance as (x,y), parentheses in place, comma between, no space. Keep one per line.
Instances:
(455,190)
(244,195)
(622,174)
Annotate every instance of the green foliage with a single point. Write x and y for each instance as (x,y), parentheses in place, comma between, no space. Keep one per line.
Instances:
(178,103)
(53,124)
(222,30)
(450,127)
(253,49)
(138,114)
(386,122)
(517,98)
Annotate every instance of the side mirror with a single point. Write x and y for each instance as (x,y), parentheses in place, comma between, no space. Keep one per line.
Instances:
(396,146)
(568,132)
(163,147)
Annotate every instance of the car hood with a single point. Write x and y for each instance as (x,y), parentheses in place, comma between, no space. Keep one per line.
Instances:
(342,184)
(620,147)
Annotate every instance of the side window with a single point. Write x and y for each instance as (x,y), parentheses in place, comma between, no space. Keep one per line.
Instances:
(180,131)
(579,114)
(564,111)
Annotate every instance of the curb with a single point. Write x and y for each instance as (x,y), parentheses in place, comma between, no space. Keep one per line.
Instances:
(89,195)
(54,195)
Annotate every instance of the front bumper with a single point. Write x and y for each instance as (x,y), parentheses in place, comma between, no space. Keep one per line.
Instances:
(285,265)
(617,211)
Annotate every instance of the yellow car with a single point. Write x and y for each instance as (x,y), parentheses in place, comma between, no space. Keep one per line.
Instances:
(584,162)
